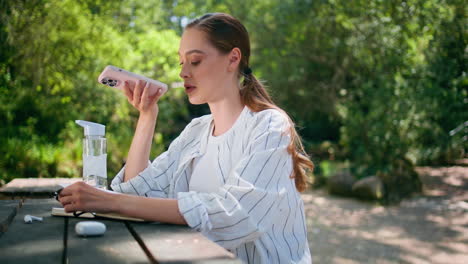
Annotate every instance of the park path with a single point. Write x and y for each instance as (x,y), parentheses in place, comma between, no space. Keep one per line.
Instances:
(429,228)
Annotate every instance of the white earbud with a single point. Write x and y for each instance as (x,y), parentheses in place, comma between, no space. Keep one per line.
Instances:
(28,219)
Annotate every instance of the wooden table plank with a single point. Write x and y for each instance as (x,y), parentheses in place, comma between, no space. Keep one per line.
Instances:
(117,245)
(180,244)
(39,242)
(34,187)
(9,209)
(44,242)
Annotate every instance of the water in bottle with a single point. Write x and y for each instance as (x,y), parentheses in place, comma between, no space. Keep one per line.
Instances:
(94,154)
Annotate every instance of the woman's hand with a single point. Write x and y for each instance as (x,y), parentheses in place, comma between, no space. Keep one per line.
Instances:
(139,95)
(142,98)
(83,197)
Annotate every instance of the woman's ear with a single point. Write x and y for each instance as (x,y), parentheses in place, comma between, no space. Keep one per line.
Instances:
(234,59)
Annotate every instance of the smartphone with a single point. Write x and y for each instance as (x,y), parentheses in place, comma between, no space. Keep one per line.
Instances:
(115,77)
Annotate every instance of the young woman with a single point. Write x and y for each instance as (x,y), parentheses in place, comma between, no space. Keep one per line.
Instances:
(233,175)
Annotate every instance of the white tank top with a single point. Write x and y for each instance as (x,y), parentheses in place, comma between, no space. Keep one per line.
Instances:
(206,176)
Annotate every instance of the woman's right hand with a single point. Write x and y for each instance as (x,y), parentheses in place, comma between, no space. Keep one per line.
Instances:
(139,95)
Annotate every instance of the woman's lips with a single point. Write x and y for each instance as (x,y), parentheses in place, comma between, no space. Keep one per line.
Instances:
(189,88)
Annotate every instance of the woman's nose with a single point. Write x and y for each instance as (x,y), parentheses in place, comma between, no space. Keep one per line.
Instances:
(184,73)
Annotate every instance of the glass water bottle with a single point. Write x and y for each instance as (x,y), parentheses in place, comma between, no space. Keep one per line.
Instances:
(94,154)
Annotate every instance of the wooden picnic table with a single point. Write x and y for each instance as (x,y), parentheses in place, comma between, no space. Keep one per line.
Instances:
(33,187)
(54,239)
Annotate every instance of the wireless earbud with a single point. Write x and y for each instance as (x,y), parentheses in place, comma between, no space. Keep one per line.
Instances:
(28,219)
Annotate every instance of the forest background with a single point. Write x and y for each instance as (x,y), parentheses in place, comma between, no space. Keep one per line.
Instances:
(376,87)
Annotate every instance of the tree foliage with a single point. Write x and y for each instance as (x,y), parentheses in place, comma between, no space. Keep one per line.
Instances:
(52,53)
(385,80)
(382,83)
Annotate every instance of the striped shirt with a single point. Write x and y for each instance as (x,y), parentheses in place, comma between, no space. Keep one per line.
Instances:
(257,213)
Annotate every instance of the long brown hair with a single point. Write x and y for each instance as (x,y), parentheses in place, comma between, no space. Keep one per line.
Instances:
(225,33)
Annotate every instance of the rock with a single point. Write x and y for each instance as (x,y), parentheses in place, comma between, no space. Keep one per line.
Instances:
(369,188)
(341,184)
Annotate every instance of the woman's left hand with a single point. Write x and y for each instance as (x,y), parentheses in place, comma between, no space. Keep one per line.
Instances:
(83,197)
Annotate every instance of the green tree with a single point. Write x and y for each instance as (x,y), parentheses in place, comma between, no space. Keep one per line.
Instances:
(358,73)
(52,53)
(382,82)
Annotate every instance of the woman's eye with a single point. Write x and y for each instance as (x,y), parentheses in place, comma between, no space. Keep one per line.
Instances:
(195,62)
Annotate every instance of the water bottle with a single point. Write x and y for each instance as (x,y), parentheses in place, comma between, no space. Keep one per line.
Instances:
(94,154)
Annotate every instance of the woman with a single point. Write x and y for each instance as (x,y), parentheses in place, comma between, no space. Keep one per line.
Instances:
(233,175)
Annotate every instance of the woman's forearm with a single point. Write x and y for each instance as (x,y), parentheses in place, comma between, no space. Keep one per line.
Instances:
(140,148)
(151,209)
(83,197)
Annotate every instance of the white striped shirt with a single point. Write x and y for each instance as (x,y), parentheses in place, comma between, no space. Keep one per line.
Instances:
(257,213)
(204,178)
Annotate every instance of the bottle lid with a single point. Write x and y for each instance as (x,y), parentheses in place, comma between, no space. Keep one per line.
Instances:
(92,129)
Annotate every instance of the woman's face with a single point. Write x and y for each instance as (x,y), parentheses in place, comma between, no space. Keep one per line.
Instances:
(203,68)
